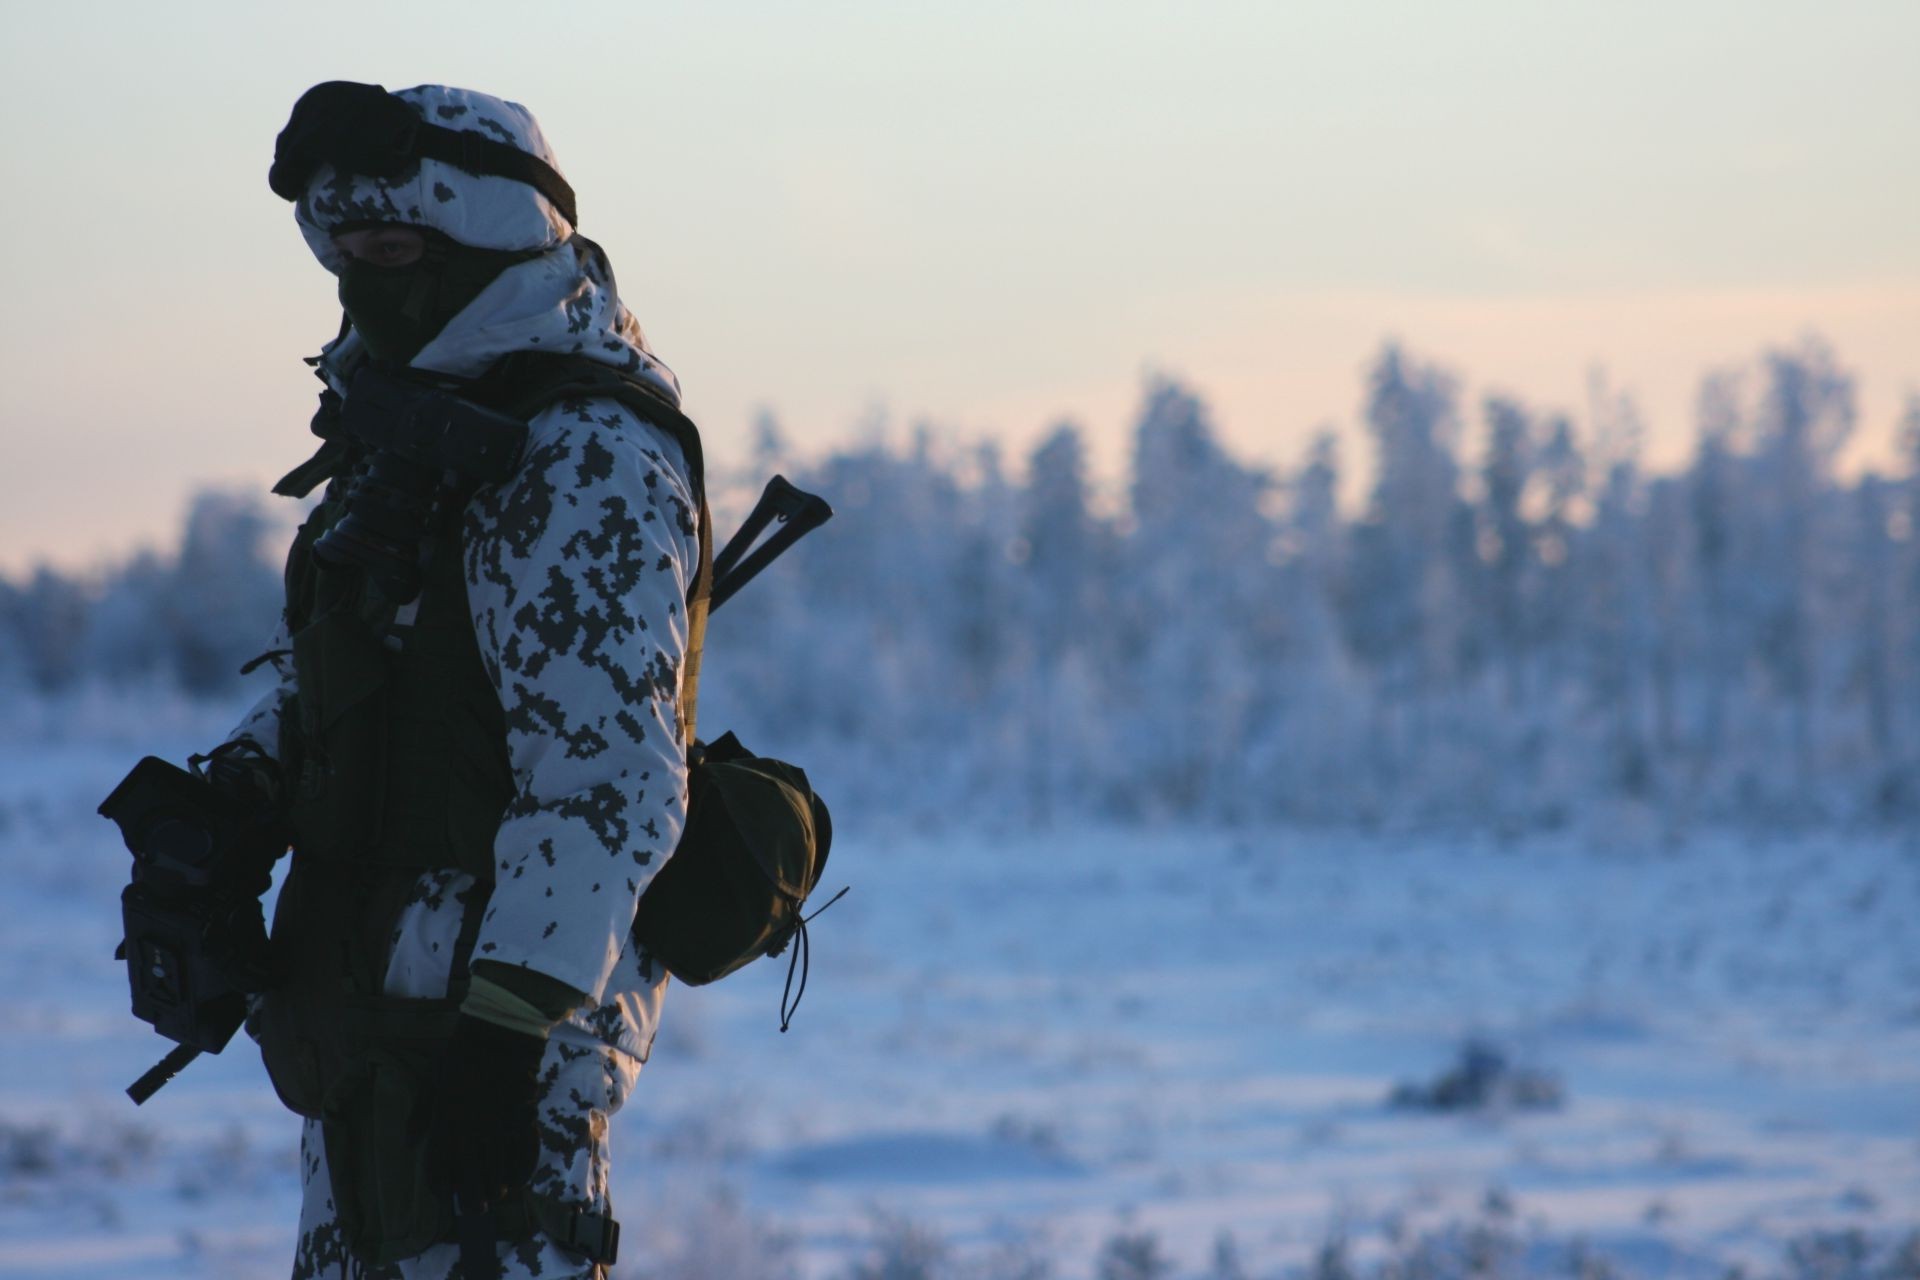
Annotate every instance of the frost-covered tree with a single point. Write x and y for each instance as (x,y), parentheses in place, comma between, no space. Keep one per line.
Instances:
(1199,617)
(1061,553)
(1505,542)
(1405,597)
(1713,485)
(1904,527)
(123,635)
(1057,542)
(1506,628)
(1866,679)
(50,615)
(1561,485)
(1805,415)
(222,587)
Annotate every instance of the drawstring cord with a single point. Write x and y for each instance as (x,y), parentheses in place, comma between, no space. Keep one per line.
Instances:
(802,956)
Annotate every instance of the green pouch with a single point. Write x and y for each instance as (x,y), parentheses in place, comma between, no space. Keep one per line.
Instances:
(381,1198)
(281,1022)
(355,1061)
(331,931)
(754,846)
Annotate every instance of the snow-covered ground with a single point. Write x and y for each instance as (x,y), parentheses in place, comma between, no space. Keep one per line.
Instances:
(1044,1044)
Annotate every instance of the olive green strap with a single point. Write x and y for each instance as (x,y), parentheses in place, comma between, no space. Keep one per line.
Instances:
(490,1002)
(552,997)
(697,604)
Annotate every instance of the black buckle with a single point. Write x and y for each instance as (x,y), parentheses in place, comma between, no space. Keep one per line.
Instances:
(594,1234)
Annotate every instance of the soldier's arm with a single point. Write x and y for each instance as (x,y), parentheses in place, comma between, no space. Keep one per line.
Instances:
(577,574)
(251,753)
(261,723)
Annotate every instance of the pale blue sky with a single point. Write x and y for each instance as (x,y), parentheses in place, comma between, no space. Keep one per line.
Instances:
(989,215)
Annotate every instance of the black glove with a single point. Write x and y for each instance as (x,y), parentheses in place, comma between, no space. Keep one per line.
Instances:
(481,1123)
(248,782)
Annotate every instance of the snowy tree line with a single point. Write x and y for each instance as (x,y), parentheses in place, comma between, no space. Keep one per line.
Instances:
(186,621)
(1519,622)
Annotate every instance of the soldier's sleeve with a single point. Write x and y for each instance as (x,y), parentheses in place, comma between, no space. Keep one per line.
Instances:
(577,574)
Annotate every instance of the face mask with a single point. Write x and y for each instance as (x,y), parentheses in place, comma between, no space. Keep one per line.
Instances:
(398,310)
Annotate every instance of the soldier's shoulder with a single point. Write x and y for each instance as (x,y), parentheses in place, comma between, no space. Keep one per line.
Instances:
(608,431)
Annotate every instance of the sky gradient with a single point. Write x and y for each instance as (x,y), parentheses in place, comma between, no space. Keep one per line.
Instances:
(989,216)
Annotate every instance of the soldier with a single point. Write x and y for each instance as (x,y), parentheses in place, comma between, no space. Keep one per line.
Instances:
(478,736)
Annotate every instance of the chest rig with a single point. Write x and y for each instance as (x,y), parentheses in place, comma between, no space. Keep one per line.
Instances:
(394,752)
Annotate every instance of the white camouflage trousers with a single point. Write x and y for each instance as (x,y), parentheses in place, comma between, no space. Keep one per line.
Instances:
(584,1080)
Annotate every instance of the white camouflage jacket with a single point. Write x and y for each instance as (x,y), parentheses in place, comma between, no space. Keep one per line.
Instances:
(577,572)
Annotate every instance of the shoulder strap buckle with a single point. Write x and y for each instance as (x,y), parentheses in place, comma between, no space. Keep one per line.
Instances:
(597,1235)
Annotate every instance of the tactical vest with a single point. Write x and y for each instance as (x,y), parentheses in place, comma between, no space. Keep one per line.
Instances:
(394,752)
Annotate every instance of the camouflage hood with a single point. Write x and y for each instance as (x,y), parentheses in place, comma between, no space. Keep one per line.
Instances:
(562,300)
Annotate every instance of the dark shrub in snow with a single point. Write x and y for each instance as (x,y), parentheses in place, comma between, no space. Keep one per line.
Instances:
(1482,1078)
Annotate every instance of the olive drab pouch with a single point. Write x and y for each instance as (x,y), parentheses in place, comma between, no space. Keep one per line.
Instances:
(318,1026)
(386,1208)
(339,1050)
(754,846)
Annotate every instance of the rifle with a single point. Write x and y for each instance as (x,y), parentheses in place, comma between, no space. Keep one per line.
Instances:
(800,512)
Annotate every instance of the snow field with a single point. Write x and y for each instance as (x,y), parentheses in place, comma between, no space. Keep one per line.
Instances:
(1022,1044)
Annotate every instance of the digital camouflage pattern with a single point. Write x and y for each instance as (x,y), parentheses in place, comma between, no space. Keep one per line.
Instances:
(577,576)
(483,211)
(577,573)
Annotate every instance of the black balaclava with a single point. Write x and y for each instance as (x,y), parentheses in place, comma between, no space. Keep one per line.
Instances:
(398,310)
